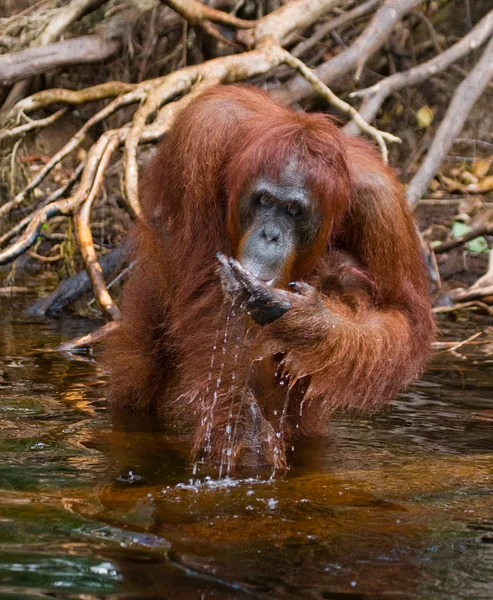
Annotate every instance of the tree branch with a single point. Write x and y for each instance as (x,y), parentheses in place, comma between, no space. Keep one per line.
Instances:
(463,100)
(375,95)
(354,57)
(34,61)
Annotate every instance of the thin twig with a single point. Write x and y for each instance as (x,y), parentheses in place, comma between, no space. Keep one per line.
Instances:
(323,30)
(31,126)
(344,107)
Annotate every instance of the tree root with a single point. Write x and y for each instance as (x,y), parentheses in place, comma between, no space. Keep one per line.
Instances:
(158,102)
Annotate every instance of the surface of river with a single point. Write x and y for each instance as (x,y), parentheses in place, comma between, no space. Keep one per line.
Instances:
(394,505)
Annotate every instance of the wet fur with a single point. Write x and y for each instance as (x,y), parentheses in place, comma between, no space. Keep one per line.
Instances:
(353,345)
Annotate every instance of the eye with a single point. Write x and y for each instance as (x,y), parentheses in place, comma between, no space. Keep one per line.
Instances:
(293,209)
(264,200)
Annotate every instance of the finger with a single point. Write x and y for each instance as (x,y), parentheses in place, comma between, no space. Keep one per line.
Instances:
(229,282)
(251,283)
(302,288)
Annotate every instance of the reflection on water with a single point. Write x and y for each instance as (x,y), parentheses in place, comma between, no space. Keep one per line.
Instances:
(397,505)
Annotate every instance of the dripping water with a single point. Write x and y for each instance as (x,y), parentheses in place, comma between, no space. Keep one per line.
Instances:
(205,419)
(228,440)
(215,395)
(241,403)
(280,434)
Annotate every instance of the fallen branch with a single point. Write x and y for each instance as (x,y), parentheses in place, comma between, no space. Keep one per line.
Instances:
(55,28)
(131,97)
(354,57)
(64,17)
(375,95)
(75,287)
(59,193)
(463,100)
(88,340)
(323,30)
(481,289)
(201,15)
(344,107)
(453,346)
(297,15)
(466,298)
(83,50)
(65,206)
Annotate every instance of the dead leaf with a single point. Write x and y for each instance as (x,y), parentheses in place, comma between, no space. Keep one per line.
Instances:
(424,117)
(481,166)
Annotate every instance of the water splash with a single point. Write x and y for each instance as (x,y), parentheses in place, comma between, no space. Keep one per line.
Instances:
(227,449)
(205,420)
(241,403)
(282,421)
(217,387)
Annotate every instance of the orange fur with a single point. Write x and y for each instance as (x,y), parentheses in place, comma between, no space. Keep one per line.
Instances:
(354,344)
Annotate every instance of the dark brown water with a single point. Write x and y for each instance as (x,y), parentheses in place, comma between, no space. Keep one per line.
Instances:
(398,505)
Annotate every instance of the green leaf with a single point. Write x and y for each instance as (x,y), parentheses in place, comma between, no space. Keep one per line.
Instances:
(478,245)
(459,229)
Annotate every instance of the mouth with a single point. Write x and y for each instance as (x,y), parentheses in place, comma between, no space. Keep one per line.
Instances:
(266,274)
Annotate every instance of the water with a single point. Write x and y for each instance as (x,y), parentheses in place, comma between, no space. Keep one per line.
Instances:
(397,505)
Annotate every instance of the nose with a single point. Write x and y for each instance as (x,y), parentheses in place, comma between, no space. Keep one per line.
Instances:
(270,233)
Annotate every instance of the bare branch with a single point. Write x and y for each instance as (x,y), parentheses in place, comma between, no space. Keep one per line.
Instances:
(344,107)
(323,30)
(56,26)
(34,61)
(61,207)
(51,198)
(375,96)
(354,57)
(483,229)
(131,97)
(89,339)
(31,126)
(197,13)
(64,18)
(463,100)
(293,16)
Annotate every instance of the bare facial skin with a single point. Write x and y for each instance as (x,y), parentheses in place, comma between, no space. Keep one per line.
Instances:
(280,219)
